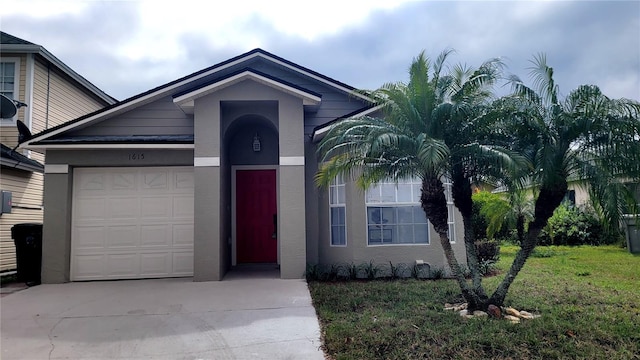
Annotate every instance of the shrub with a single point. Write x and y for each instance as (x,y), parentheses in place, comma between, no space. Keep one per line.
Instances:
(487,251)
(571,225)
(437,273)
(478,221)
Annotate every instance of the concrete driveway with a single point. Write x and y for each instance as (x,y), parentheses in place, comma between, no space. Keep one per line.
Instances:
(246,316)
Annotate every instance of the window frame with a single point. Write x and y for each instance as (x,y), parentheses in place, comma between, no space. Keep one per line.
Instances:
(340,185)
(16,87)
(451,211)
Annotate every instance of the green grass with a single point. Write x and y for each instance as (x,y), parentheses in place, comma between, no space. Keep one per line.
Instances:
(589,299)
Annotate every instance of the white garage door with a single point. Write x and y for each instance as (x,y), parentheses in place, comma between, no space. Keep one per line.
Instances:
(130,223)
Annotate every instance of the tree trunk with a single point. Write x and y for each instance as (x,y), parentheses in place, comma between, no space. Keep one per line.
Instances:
(548,200)
(472,258)
(434,204)
(520,228)
(461,192)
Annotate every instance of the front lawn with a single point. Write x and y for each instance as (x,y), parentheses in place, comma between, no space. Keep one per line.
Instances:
(589,299)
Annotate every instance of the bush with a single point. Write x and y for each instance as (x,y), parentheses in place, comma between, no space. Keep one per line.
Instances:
(572,226)
(487,251)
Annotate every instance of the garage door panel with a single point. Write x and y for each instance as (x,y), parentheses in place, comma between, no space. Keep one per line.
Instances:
(156,207)
(90,209)
(89,237)
(183,235)
(122,265)
(155,264)
(183,207)
(123,181)
(156,236)
(122,208)
(183,263)
(155,180)
(122,237)
(89,266)
(92,184)
(184,181)
(132,223)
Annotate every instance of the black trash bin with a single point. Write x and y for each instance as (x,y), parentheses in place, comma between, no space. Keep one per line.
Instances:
(28,240)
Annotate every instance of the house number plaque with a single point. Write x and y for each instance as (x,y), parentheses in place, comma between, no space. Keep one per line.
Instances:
(136,156)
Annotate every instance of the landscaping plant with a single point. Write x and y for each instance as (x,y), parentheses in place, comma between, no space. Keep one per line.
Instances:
(444,123)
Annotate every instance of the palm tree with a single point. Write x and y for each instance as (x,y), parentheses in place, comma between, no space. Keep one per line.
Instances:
(516,210)
(586,136)
(433,126)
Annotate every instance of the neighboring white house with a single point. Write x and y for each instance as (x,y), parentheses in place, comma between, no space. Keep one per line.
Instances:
(54,94)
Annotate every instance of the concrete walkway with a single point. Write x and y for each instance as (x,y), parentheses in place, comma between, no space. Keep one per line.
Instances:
(246,316)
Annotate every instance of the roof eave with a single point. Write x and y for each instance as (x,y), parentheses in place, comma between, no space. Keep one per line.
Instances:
(40,50)
(320,131)
(15,164)
(122,145)
(166,89)
(186,101)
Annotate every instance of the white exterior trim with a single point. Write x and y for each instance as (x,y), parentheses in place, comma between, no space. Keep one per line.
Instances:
(109,146)
(206,161)
(37,49)
(315,77)
(56,168)
(317,136)
(187,99)
(28,91)
(16,88)
(291,160)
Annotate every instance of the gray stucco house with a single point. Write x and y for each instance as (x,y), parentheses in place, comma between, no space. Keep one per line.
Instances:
(214,170)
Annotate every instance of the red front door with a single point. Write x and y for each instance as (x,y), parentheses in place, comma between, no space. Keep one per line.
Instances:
(256,216)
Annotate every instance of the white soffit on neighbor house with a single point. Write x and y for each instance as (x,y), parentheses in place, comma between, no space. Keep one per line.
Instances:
(186,101)
(168,89)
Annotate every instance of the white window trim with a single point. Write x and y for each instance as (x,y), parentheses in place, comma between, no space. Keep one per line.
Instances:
(339,205)
(393,205)
(451,209)
(16,88)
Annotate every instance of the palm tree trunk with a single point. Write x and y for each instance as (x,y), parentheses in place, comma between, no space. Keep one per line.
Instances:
(472,257)
(461,192)
(434,204)
(520,228)
(547,202)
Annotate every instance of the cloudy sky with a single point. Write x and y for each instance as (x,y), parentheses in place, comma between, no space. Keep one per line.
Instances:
(127,47)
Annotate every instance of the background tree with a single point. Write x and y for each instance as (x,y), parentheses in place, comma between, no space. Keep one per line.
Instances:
(586,136)
(512,209)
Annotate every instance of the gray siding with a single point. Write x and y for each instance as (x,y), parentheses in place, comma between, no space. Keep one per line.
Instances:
(334,103)
(161,117)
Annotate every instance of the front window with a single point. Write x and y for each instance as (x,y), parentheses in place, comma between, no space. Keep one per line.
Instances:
(337,216)
(394,214)
(9,71)
(8,79)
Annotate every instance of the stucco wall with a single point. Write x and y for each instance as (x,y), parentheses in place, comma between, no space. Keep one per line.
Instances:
(358,251)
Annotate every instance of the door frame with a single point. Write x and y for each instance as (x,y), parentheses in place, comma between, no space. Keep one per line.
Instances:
(234,169)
